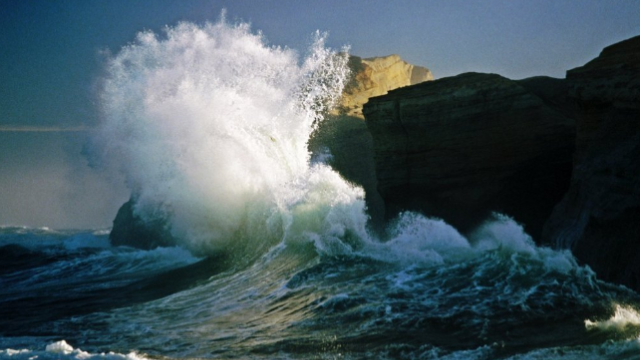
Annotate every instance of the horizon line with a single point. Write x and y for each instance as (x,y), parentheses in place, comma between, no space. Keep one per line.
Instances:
(13,128)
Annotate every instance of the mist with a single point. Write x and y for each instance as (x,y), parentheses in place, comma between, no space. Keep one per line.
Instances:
(45,180)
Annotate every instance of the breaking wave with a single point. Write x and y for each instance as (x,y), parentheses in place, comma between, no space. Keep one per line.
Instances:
(272,257)
(210,126)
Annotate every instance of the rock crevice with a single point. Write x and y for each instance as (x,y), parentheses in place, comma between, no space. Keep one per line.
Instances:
(599,218)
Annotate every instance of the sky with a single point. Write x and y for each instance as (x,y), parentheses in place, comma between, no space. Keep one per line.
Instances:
(52,54)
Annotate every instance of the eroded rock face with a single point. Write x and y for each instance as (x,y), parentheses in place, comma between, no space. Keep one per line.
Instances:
(376,76)
(461,147)
(599,218)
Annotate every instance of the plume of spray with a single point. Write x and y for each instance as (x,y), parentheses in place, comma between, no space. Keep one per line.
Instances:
(210,127)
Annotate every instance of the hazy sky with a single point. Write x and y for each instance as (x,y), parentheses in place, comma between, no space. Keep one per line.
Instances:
(51,54)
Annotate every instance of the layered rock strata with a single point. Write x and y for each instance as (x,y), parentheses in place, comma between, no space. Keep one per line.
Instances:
(599,218)
(462,147)
(376,76)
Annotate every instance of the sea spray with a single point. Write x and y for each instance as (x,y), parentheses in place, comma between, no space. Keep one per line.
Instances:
(624,323)
(210,127)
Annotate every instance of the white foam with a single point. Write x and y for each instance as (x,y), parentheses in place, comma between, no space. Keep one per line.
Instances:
(623,316)
(60,347)
(502,232)
(417,239)
(62,350)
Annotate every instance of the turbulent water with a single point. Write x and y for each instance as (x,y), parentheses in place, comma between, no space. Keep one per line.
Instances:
(272,256)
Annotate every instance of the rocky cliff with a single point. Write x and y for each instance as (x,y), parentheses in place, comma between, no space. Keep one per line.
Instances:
(376,76)
(461,147)
(599,218)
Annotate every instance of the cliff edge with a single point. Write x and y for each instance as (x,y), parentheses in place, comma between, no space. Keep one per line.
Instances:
(376,76)
(599,217)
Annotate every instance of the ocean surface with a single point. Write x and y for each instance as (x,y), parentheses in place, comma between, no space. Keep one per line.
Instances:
(272,256)
(69,294)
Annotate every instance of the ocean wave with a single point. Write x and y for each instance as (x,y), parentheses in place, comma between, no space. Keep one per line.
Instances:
(62,350)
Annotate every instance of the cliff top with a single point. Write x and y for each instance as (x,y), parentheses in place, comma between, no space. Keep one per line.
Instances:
(444,85)
(376,76)
(623,53)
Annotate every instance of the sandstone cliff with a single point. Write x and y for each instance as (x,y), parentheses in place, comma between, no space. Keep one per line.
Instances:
(461,147)
(376,76)
(599,218)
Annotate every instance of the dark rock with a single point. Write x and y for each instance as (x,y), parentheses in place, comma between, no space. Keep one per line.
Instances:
(599,218)
(130,230)
(462,147)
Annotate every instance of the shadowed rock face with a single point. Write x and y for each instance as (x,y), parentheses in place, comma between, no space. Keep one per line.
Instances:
(599,218)
(461,147)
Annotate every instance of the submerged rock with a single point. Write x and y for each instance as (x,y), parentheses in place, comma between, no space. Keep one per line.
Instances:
(131,230)
(599,218)
(462,147)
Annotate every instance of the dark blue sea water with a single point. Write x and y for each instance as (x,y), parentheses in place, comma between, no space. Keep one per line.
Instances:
(514,301)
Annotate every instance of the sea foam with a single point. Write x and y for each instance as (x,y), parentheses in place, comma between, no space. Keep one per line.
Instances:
(62,350)
(622,318)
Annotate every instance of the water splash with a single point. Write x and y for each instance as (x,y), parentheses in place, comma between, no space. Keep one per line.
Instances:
(210,126)
(62,350)
(623,317)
